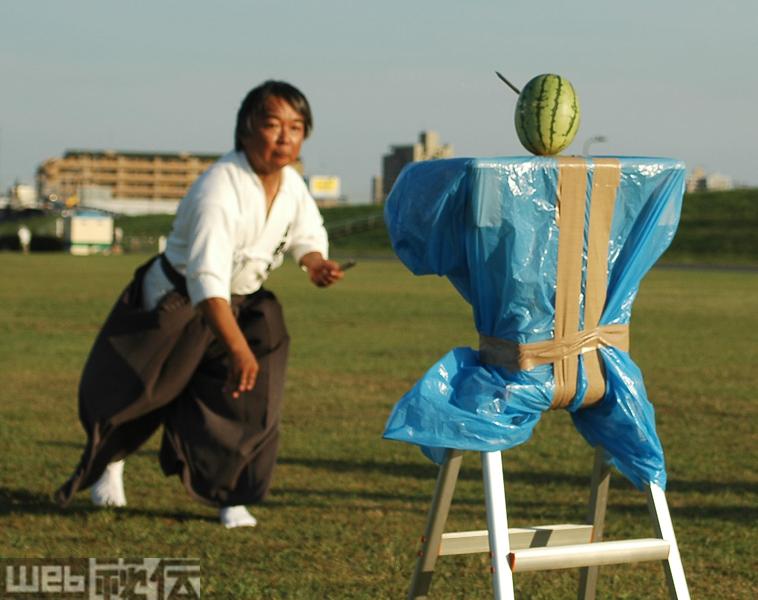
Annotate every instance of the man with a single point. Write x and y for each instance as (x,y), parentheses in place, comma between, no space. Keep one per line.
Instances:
(195,343)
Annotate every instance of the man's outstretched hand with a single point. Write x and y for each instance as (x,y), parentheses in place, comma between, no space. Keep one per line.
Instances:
(321,271)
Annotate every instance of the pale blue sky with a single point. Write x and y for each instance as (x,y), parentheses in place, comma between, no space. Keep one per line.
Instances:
(664,78)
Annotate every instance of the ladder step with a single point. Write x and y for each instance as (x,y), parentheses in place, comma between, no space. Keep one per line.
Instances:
(469,542)
(587,555)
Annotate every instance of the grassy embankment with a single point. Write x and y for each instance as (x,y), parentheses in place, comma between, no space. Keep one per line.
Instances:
(715,228)
(346,508)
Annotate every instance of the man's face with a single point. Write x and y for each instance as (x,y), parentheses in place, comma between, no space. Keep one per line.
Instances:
(276,136)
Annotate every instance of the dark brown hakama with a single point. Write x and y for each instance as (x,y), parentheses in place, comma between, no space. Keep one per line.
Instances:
(164,367)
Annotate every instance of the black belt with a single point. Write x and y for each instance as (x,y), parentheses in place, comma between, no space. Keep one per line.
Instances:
(174,276)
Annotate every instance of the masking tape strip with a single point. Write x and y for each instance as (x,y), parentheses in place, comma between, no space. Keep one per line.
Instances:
(570,209)
(523,357)
(605,182)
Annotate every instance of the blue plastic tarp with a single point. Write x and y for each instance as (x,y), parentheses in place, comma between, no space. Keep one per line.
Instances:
(489,226)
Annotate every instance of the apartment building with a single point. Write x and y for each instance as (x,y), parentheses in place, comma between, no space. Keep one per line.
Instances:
(428,147)
(137,175)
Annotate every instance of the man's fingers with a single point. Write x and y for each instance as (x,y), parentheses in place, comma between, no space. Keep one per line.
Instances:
(247,379)
(329,275)
(248,382)
(241,381)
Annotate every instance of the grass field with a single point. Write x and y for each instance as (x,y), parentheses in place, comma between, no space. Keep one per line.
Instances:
(346,508)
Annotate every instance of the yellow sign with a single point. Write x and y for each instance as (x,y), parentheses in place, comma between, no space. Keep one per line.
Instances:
(324,186)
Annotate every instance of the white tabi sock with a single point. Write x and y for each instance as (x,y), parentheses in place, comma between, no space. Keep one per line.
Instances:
(237,516)
(109,489)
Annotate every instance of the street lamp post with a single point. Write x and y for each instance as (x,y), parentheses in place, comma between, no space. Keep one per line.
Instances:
(594,139)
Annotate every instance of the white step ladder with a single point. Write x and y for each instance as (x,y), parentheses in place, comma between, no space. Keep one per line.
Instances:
(546,547)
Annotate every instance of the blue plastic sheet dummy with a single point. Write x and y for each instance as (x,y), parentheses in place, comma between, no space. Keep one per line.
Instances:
(493,228)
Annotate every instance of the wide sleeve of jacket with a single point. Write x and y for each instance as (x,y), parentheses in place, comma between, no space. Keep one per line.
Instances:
(213,216)
(307,233)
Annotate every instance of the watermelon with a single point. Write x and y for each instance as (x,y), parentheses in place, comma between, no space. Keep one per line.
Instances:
(547,114)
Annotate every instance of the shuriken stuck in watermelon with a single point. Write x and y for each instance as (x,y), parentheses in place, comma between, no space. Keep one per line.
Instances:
(547,114)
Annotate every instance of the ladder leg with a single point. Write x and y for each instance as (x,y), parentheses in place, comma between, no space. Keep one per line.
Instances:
(497,525)
(601,477)
(664,528)
(443,496)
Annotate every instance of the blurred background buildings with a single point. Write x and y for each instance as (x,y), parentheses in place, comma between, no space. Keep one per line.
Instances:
(700,181)
(428,147)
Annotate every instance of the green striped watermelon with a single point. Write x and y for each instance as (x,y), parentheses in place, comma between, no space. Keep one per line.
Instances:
(547,114)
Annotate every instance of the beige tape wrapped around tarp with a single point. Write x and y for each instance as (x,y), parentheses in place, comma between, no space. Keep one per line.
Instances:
(569,342)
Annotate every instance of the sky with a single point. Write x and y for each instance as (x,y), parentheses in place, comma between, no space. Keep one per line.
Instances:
(670,78)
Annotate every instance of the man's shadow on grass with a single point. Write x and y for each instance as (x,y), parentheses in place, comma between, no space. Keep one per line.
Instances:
(739,513)
(429,470)
(27,502)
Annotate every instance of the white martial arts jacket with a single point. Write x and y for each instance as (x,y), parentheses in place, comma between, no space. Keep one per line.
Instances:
(223,242)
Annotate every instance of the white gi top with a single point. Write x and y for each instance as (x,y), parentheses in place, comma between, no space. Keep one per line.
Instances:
(223,242)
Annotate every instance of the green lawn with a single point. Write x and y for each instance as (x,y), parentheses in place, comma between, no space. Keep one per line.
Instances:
(347,508)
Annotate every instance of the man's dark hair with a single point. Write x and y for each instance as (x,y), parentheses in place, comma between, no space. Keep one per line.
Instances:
(254,104)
